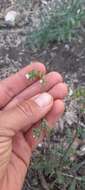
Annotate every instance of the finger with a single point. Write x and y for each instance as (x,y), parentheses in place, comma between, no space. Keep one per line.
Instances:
(51,79)
(24,115)
(59,91)
(57,111)
(16,83)
(51,118)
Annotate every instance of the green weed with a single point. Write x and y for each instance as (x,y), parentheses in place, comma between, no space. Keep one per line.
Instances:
(57,166)
(60,163)
(63,23)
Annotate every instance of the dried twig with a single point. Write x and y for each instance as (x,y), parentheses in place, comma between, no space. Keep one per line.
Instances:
(43,181)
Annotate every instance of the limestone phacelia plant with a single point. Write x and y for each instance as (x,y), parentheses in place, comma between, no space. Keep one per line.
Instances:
(43,127)
(34,74)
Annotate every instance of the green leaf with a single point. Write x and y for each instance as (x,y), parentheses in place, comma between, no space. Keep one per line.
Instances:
(83,178)
(36,132)
(60,178)
(59,24)
(73,185)
(69,135)
(77,166)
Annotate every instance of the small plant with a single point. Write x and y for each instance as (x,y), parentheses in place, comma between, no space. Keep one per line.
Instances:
(43,127)
(23,4)
(79,92)
(34,74)
(62,23)
(79,95)
(58,165)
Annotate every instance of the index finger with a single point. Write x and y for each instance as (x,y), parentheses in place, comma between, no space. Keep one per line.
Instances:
(16,83)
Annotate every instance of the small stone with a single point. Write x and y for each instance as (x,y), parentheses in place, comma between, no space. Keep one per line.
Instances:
(71,117)
(39,145)
(81,152)
(10,17)
(83,148)
(44,2)
(67,47)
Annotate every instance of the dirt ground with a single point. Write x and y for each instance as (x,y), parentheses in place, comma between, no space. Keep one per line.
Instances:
(68,58)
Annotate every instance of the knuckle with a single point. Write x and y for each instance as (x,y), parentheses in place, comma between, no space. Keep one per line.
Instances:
(57,76)
(9,91)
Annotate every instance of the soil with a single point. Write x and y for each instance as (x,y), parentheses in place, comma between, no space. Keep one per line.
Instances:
(13,56)
(68,58)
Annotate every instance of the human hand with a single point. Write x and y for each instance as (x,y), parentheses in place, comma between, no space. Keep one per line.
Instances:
(23,103)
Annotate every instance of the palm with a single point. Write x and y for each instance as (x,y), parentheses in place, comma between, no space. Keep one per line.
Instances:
(17,166)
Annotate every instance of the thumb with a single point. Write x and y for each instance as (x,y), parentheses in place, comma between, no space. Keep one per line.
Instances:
(25,114)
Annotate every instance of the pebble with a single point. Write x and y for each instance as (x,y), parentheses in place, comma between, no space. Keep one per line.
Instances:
(10,17)
(67,47)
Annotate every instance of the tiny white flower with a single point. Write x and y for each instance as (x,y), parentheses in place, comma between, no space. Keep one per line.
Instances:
(27,76)
(41,81)
(70,92)
(78,11)
(34,136)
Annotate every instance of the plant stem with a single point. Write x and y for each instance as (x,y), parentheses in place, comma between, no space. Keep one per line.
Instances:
(43,181)
(66,152)
(71,176)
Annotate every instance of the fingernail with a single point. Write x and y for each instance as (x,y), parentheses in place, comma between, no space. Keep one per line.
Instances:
(43,99)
